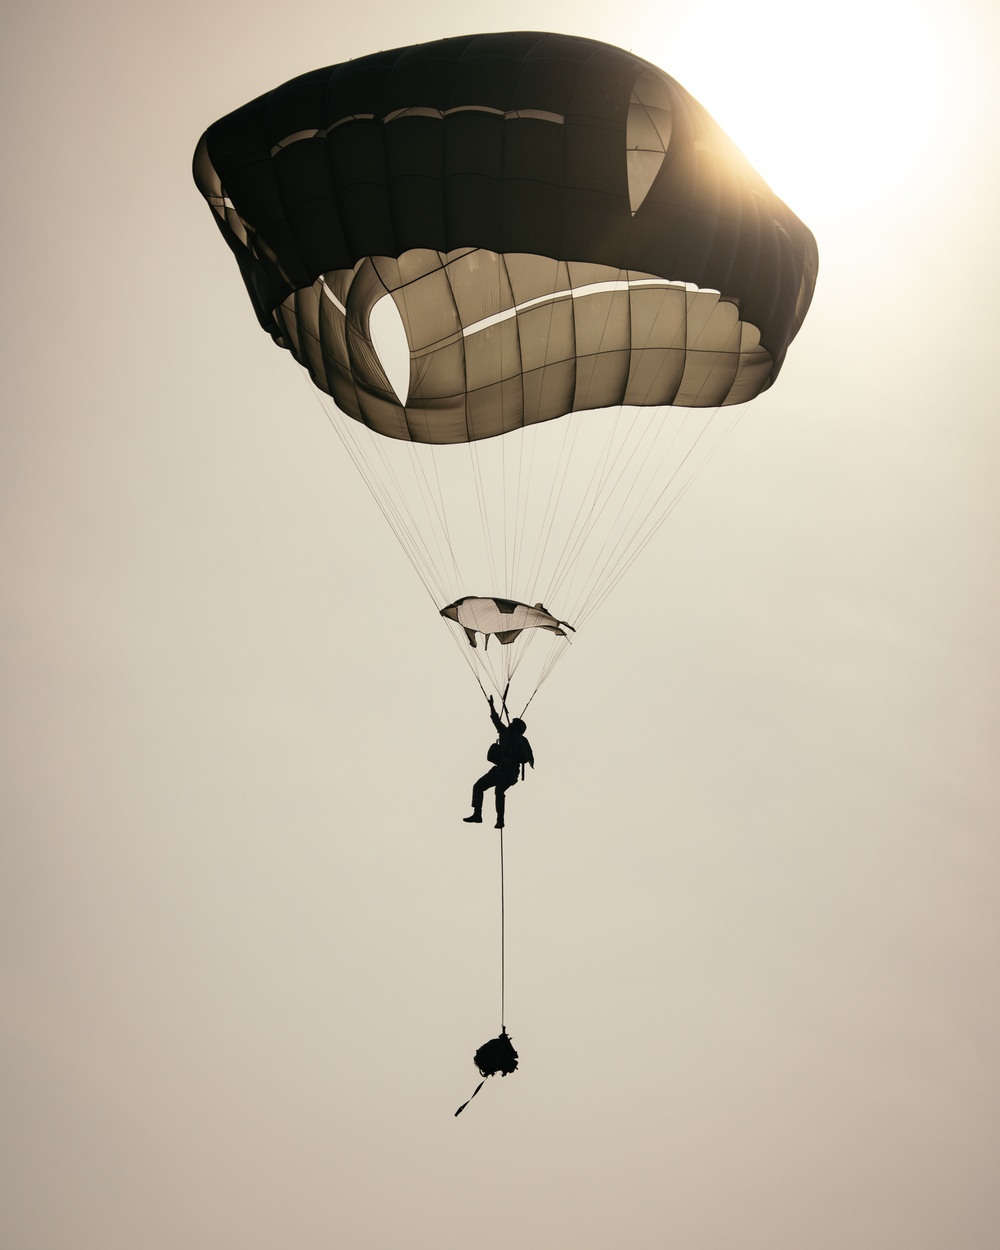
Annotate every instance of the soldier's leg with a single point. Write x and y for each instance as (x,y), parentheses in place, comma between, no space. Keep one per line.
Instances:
(501,797)
(480,788)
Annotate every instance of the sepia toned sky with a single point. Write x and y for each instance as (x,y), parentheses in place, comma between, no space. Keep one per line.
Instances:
(247,945)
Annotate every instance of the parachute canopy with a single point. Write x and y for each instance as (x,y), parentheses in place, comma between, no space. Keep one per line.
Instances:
(560,226)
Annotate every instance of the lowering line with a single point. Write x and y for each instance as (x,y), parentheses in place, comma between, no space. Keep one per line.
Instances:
(503,946)
(498,1054)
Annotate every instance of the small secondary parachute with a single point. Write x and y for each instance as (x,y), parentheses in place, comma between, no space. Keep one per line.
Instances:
(504,619)
(527,268)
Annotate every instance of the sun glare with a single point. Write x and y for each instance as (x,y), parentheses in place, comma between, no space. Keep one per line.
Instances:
(831,106)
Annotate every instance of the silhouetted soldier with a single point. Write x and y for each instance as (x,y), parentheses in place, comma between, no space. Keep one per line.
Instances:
(508,755)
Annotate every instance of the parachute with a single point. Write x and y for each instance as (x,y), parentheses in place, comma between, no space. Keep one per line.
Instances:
(528,270)
(501,617)
(525,273)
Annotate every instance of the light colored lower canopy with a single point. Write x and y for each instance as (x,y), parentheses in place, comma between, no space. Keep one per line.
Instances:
(503,618)
(500,341)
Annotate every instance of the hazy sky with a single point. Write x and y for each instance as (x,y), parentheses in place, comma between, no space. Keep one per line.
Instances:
(247,947)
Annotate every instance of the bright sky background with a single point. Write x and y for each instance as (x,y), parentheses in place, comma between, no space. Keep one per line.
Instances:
(247,947)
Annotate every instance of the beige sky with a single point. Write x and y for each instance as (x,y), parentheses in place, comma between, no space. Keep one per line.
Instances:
(247,947)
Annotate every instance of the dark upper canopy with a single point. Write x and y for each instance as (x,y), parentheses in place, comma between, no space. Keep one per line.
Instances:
(382,174)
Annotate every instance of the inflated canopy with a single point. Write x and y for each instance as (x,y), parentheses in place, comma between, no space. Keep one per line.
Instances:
(560,226)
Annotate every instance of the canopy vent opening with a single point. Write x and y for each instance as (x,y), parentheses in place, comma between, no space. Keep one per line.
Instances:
(392,345)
